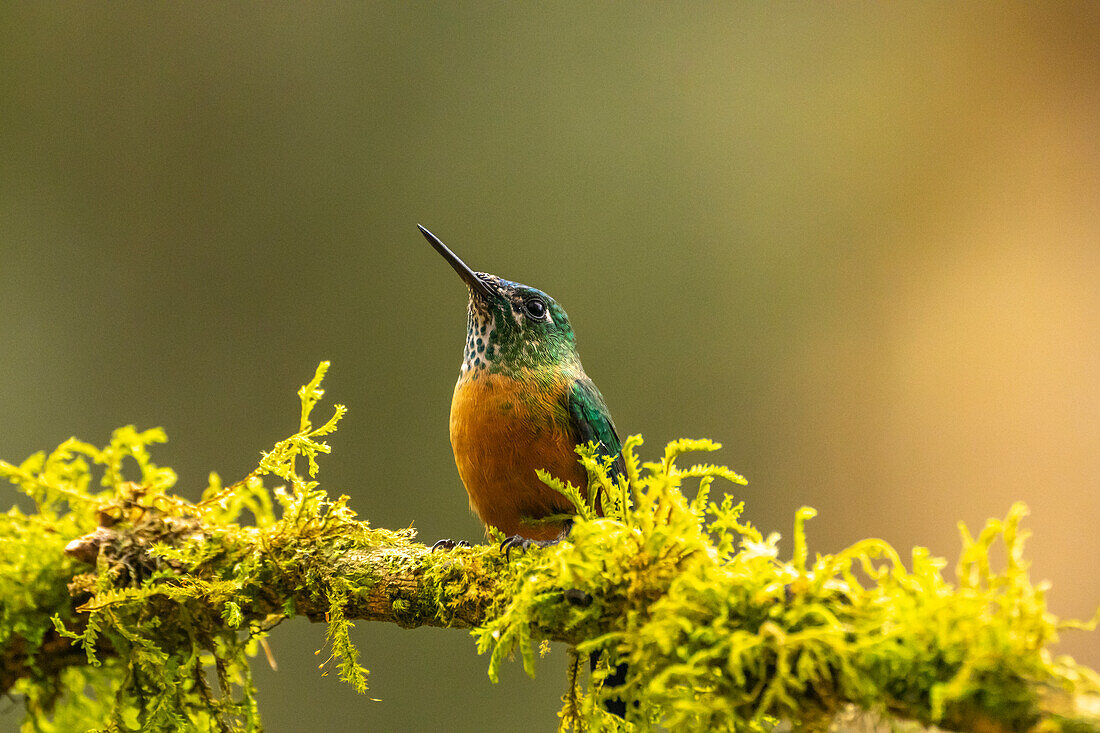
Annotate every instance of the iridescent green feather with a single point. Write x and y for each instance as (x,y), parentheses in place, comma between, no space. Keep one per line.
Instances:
(592,422)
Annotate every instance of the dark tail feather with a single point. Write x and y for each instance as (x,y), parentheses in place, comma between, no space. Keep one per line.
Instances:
(614,705)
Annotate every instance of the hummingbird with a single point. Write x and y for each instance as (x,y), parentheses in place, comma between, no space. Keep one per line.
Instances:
(522,402)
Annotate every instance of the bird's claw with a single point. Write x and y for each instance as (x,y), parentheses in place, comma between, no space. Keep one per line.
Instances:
(523,544)
(449,544)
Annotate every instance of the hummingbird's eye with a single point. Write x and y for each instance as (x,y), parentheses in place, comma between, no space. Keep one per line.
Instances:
(536,308)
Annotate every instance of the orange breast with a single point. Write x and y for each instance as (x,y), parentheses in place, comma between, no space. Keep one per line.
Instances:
(502,430)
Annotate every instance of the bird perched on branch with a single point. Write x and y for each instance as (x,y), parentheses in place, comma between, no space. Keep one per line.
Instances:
(522,403)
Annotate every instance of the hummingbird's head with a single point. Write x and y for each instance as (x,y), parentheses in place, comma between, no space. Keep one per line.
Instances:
(511,326)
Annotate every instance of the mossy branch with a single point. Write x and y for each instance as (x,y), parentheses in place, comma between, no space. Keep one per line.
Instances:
(718,632)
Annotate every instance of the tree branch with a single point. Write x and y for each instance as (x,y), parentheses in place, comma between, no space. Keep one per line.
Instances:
(717,632)
(386,576)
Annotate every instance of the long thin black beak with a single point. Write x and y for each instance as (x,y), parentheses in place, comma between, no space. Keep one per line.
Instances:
(476,284)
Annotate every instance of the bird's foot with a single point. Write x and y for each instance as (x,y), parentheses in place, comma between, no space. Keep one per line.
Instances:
(523,544)
(449,544)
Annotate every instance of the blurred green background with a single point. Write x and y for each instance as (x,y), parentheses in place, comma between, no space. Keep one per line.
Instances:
(858,245)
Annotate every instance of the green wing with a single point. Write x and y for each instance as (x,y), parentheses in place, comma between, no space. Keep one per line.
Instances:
(592,422)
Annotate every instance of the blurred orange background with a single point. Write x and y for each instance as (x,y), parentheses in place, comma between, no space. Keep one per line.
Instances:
(858,245)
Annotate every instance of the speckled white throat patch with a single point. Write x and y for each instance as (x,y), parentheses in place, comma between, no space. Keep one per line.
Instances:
(480,326)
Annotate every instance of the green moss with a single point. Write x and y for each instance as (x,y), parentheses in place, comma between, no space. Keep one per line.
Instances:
(171,584)
(718,631)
